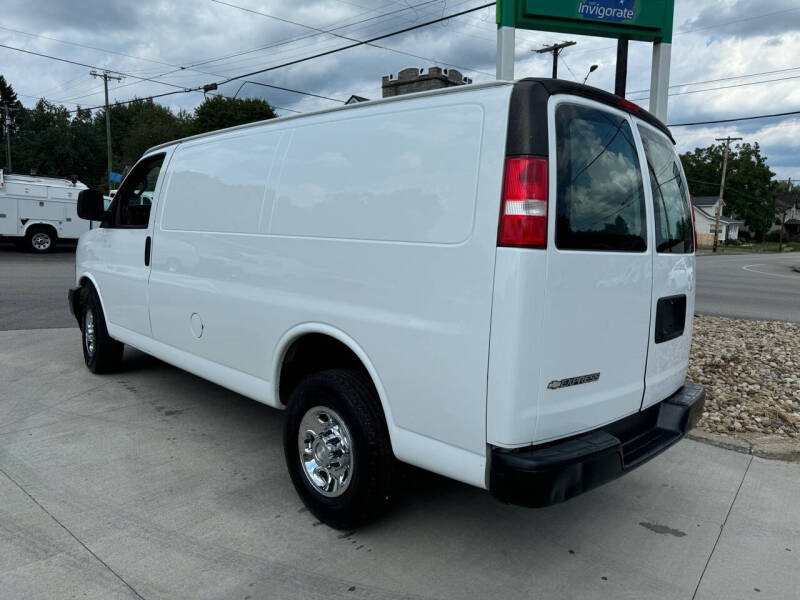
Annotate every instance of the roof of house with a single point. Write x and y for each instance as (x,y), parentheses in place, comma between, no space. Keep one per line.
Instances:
(704,200)
(722,219)
(353,99)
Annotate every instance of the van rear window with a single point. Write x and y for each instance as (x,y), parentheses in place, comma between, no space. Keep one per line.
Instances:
(600,202)
(670,198)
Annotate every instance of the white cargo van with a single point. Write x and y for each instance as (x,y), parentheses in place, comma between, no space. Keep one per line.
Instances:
(493,282)
(37,211)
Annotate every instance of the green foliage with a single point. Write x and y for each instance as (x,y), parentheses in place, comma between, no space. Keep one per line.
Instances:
(750,192)
(54,141)
(218,112)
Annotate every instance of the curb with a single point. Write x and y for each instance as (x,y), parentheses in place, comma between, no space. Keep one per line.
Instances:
(763,446)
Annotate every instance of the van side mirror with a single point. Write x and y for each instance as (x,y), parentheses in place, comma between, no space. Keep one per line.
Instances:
(90,205)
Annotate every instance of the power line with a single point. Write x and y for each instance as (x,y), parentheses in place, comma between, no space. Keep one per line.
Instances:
(725,87)
(356,44)
(88,66)
(677,85)
(285,89)
(338,35)
(307,58)
(783,114)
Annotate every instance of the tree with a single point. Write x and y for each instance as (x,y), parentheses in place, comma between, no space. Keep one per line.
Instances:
(749,189)
(52,140)
(9,101)
(218,112)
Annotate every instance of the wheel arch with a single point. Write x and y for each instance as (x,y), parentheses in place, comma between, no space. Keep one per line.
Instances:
(85,280)
(39,224)
(294,335)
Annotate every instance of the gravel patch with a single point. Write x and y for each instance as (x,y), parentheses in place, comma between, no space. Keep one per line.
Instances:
(751,372)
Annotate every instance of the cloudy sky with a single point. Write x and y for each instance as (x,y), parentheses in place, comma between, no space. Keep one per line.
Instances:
(730,45)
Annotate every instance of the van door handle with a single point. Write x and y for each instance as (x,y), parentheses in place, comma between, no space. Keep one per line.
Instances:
(147,244)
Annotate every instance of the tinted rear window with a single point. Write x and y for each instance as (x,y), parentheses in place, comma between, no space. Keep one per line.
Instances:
(670,198)
(600,198)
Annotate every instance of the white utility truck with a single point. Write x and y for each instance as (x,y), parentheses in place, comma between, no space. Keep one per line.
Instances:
(493,282)
(38,211)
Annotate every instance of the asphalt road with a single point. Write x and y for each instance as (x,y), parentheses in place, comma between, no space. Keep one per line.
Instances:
(33,288)
(749,286)
(153,483)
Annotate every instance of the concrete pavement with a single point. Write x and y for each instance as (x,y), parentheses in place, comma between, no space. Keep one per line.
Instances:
(153,483)
(750,286)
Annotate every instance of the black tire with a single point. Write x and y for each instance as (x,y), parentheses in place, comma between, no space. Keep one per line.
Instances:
(103,354)
(40,240)
(371,485)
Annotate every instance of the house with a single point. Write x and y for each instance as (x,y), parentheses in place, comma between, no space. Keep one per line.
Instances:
(788,209)
(355,99)
(705,213)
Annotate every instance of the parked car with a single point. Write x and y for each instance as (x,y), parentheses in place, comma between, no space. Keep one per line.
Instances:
(493,282)
(37,211)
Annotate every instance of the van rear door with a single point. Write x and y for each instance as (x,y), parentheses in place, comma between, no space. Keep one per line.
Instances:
(596,314)
(673,266)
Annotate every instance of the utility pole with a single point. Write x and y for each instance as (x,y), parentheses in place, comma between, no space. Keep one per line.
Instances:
(106,76)
(7,133)
(555,49)
(727,141)
(783,217)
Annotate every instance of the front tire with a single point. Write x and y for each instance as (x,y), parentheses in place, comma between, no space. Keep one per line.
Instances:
(40,240)
(101,353)
(337,448)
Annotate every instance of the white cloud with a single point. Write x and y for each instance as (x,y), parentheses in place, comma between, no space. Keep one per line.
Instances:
(713,39)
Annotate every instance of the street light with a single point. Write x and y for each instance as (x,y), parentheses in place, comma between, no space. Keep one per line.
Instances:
(592,69)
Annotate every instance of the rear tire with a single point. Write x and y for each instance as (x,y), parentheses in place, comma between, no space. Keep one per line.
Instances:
(40,240)
(101,352)
(337,448)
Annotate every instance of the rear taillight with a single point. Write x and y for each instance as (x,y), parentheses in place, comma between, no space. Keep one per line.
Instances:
(694,225)
(523,213)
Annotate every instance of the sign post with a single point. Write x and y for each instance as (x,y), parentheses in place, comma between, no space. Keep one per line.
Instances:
(640,20)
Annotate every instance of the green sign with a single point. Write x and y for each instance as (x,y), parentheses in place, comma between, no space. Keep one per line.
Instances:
(643,20)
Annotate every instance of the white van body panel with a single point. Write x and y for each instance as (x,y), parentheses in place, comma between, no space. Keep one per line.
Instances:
(377,225)
(392,230)
(28,200)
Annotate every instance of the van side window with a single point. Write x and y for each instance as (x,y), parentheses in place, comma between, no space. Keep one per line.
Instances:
(670,198)
(600,198)
(134,198)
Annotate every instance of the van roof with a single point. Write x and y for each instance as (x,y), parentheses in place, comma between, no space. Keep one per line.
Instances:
(352,106)
(550,86)
(39,180)
(561,86)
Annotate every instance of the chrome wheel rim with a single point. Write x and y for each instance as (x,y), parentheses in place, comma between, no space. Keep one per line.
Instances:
(88,332)
(41,241)
(326,451)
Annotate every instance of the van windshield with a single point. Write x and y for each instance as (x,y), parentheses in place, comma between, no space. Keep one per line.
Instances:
(673,218)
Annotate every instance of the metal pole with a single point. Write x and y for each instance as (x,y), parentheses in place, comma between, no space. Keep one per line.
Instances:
(783,218)
(505,52)
(659,80)
(621,77)
(727,141)
(7,134)
(105,75)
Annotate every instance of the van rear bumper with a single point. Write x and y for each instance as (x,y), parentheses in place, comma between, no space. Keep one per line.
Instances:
(547,474)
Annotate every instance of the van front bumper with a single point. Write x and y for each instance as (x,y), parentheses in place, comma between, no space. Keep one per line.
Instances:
(551,473)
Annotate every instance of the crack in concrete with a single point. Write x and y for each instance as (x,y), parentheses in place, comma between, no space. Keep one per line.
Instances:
(722,527)
(72,535)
